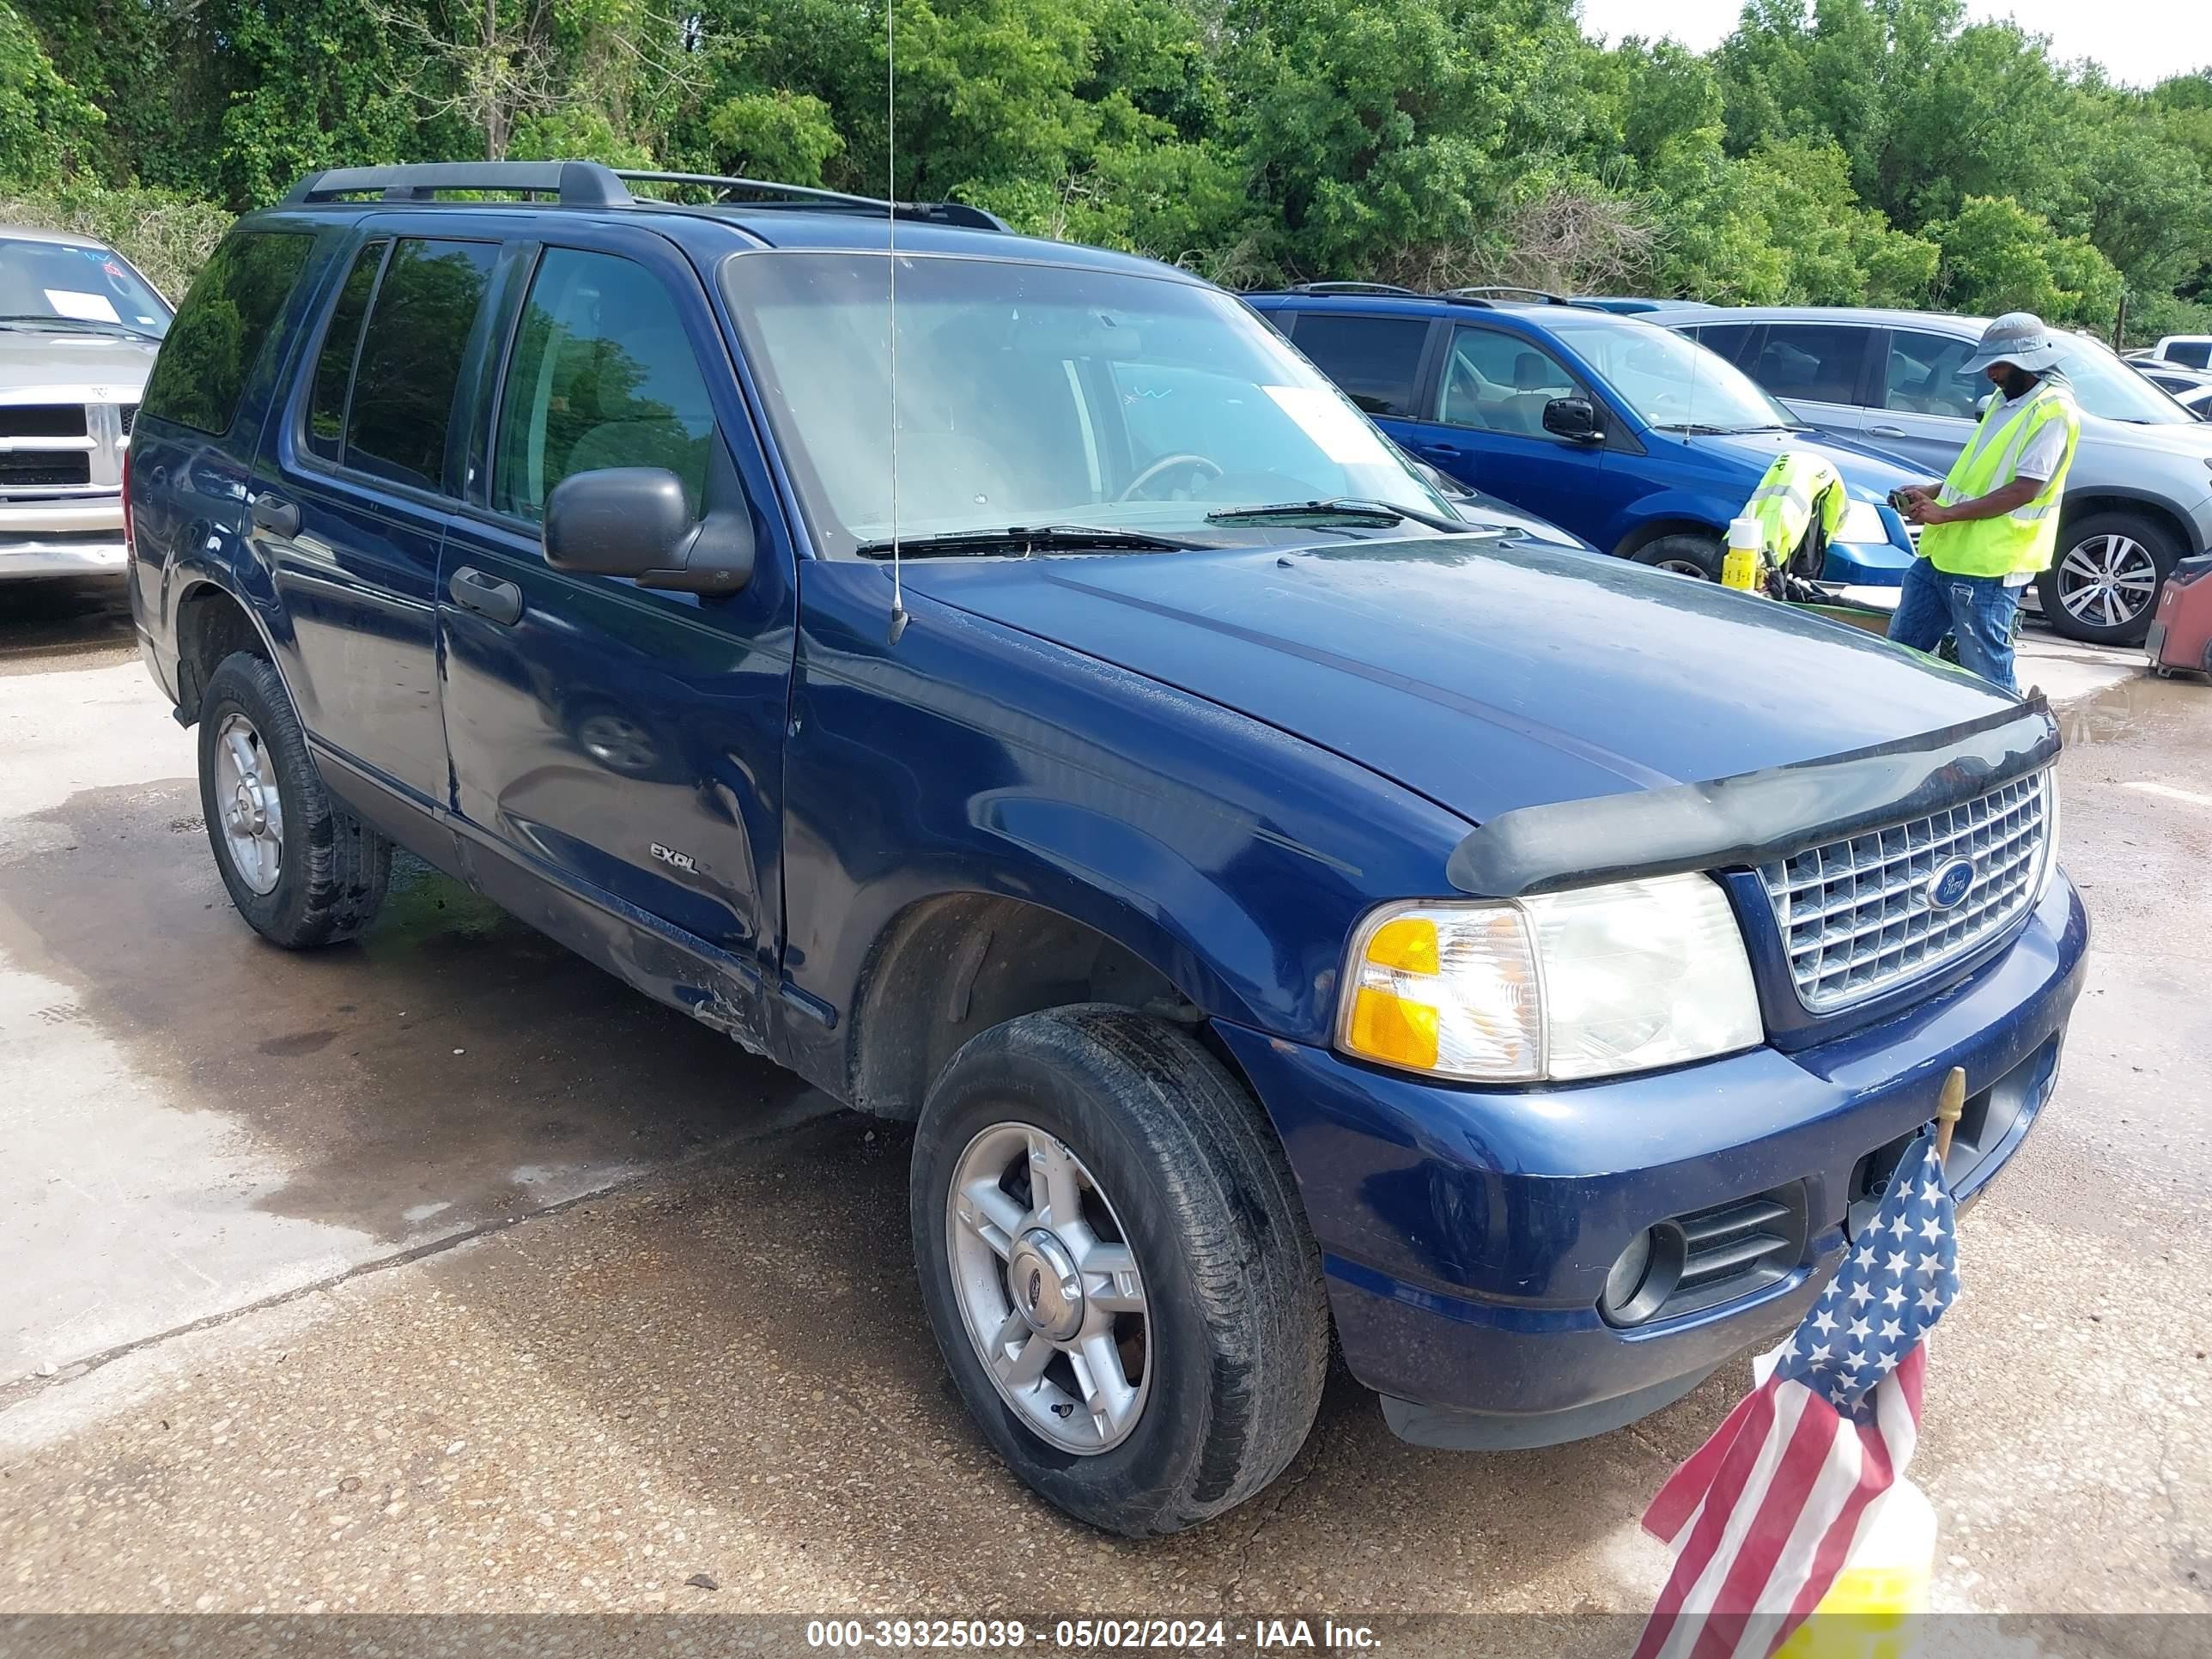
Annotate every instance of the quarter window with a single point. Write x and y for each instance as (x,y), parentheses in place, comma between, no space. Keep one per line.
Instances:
(326,401)
(1818,363)
(1923,376)
(602,375)
(1500,382)
(1376,360)
(229,315)
(410,358)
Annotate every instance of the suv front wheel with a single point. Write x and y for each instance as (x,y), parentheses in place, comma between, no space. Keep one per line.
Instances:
(1116,1268)
(2103,585)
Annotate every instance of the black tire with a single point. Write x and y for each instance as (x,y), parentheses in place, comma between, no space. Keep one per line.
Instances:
(333,869)
(1240,1334)
(1689,552)
(2092,532)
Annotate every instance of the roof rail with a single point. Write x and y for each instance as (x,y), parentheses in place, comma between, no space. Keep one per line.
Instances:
(803,195)
(588,184)
(574,184)
(1502,290)
(1353,287)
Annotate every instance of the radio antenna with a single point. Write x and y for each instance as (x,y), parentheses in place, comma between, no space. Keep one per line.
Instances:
(890,262)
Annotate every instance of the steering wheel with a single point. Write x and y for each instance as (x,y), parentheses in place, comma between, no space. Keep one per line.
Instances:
(1166,463)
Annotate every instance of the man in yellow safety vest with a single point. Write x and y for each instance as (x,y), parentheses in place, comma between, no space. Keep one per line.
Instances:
(1993,522)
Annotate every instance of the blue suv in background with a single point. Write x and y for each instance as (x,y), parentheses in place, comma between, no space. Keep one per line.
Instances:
(1605,424)
(1280,906)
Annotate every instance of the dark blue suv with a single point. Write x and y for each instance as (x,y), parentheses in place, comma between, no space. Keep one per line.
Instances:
(1606,424)
(1279,906)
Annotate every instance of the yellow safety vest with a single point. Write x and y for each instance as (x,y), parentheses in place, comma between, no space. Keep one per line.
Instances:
(1784,500)
(2026,538)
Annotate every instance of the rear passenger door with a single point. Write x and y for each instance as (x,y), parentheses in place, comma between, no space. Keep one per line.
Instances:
(1928,405)
(352,498)
(1378,362)
(617,749)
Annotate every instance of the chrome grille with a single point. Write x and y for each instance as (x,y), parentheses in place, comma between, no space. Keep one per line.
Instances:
(1855,914)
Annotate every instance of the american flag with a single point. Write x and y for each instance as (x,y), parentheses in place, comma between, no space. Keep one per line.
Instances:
(1762,1515)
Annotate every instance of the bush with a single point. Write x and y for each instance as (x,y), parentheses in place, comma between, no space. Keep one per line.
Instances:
(167,235)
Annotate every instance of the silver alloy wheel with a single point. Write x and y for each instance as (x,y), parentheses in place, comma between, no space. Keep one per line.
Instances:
(1685,568)
(253,811)
(1048,1288)
(2107,581)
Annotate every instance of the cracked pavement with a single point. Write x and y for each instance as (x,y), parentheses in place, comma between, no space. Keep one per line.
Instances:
(443,1274)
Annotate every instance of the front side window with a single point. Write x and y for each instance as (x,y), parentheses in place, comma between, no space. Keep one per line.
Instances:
(410,358)
(1376,360)
(601,375)
(1032,394)
(1498,382)
(1925,376)
(1818,363)
(227,319)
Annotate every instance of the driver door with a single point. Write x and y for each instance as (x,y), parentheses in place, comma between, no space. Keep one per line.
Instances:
(1484,425)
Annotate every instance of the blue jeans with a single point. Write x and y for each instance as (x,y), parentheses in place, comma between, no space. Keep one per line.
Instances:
(1976,610)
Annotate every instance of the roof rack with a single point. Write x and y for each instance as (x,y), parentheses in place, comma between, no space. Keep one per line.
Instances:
(1506,291)
(1353,287)
(589,185)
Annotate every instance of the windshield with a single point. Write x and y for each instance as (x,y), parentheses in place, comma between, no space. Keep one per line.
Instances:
(1040,395)
(1671,380)
(2105,386)
(67,288)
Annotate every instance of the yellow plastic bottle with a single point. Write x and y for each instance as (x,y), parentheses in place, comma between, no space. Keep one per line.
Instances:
(1740,564)
(1870,1611)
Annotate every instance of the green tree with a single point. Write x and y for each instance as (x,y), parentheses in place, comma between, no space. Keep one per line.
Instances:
(1998,257)
(46,125)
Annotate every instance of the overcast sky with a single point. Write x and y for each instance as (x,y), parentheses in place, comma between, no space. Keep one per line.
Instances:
(2138,41)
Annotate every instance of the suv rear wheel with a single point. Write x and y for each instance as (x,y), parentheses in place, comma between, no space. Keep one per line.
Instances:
(1116,1268)
(1685,553)
(2103,585)
(300,867)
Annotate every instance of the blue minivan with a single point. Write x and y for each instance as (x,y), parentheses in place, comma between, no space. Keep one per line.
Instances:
(1283,910)
(1609,426)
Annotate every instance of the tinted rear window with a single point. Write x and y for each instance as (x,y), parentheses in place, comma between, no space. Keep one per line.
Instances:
(1817,362)
(2197,354)
(410,358)
(1376,360)
(226,320)
(1727,339)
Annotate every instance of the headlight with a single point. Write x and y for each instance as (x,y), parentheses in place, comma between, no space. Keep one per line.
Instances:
(1863,523)
(1581,984)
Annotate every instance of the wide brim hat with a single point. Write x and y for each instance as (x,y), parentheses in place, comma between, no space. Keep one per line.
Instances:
(2019,337)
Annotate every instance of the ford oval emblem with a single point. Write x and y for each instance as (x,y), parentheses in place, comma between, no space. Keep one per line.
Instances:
(1950,884)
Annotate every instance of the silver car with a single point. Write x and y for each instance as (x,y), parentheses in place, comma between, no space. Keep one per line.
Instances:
(79,327)
(2138,500)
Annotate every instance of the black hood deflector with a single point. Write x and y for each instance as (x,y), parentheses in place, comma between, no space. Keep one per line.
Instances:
(1755,817)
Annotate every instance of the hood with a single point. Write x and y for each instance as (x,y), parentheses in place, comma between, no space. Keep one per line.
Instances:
(36,362)
(1869,473)
(1486,678)
(2190,438)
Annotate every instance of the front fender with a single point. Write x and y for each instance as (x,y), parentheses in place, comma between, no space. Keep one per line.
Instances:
(972,758)
(1673,508)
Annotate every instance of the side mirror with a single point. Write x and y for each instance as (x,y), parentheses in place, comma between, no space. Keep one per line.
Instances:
(1575,419)
(633,521)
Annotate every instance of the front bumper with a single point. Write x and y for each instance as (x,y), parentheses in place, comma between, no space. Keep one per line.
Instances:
(1466,1234)
(1866,564)
(70,536)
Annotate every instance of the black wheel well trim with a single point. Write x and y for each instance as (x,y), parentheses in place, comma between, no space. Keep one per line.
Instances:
(952,964)
(194,665)
(2089,502)
(1753,818)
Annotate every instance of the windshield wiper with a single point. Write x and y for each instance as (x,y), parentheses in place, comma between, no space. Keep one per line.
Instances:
(1343,508)
(1024,538)
(1695,429)
(75,326)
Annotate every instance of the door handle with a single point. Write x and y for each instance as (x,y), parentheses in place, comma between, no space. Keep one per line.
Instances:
(1886,432)
(1440,449)
(487,596)
(276,515)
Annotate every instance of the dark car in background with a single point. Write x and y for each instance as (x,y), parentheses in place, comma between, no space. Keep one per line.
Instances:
(1613,429)
(2138,500)
(1290,915)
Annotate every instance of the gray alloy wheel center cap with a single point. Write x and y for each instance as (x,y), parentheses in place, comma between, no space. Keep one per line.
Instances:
(1044,1286)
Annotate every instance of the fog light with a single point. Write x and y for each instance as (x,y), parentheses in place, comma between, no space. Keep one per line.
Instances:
(1643,1276)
